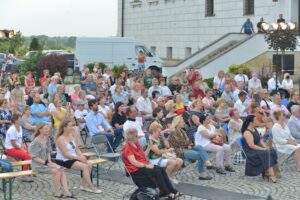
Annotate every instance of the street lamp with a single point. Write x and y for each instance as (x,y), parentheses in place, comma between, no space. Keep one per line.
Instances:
(7,34)
(280,36)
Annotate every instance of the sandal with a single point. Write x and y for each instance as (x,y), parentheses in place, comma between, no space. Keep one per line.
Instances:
(171,196)
(58,196)
(178,194)
(69,196)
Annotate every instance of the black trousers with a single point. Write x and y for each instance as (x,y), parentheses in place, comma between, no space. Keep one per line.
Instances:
(153,178)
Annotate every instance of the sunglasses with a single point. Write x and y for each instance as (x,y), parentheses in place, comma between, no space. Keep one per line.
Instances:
(73,146)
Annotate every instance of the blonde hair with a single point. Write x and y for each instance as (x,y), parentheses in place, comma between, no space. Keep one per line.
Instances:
(169,105)
(38,129)
(129,134)
(154,127)
(195,102)
(219,101)
(176,121)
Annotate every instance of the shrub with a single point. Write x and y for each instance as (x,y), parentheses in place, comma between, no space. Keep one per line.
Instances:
(233,69)
(101,65)
(30,65)
(117,69)
(209,82)
(54,63)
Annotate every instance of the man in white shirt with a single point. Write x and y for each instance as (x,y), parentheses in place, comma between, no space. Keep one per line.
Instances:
(240,87)
(241,105)
(135,124)
(254,84)
(272,83)
(80,114)
(144,105)
(241,77)
(154,87)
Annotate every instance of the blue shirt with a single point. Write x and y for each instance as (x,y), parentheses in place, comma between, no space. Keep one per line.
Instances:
(248,26)
(51,90)
(39,108)
(93,121)
(91,86)
(118,98)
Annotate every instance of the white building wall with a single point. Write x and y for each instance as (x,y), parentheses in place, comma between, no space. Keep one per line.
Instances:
(182,23)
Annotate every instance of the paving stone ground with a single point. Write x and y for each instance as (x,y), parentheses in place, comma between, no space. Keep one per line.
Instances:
(42,187)
(286,188)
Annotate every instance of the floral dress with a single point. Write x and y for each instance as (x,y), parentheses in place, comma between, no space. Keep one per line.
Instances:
(4,115)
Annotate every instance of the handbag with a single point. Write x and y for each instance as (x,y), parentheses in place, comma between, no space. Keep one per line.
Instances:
(219,139)
(169,155)
(145,193)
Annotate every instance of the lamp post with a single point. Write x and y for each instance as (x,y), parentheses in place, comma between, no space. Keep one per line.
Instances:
(7,34)
(280,36)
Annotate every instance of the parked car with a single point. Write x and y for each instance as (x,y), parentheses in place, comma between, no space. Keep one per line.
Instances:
(114,51)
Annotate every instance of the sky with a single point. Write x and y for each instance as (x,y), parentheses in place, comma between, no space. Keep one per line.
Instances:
(91,18)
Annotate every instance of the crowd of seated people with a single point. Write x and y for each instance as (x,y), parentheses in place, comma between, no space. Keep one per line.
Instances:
(161,125)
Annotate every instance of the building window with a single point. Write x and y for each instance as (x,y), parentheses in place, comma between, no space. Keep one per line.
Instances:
(153,50)
(209,8)
(248,7)
(169,52)
(188,51)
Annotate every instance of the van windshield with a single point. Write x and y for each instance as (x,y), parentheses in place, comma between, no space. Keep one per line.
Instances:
(144,49)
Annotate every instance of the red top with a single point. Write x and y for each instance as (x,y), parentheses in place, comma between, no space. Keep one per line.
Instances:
(138,154)
(192,80)
(30,82)
(198,92)
(42,81)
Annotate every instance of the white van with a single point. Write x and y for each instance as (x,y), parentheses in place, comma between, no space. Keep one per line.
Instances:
(114,51)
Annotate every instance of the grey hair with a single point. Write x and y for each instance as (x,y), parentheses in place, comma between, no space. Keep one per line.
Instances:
(129,134)
(294,108)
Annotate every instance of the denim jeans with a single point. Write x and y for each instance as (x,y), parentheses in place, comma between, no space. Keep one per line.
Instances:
(197,153)
(6,166)
(114,141)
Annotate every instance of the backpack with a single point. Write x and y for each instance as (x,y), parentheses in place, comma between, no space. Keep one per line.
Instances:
(145,193)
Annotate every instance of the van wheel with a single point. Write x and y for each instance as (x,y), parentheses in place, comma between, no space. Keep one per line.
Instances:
(70,71)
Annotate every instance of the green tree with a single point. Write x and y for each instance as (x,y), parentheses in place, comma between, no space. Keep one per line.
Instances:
(283,40)
(34,45)
(13,45)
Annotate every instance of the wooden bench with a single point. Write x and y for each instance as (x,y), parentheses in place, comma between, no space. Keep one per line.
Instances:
(96,163)
(89,154)
(21,163)
(11,176)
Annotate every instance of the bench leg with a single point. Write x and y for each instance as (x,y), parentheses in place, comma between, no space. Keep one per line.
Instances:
(91,175)
(4,188)
(10,188)
(97,170)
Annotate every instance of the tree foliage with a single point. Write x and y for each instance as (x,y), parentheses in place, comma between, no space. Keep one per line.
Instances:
(14,45)
(282,40)
(34,45)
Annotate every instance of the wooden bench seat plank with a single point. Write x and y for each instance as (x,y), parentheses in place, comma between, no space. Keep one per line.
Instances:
(16,174)
(89,154)
(21,163)
(97,161)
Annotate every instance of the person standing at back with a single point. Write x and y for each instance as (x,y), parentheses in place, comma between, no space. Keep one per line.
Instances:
(141,62)
(280,19)
(247,27)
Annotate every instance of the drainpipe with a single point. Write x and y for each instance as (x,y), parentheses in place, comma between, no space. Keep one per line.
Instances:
(122,18)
